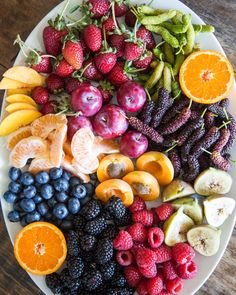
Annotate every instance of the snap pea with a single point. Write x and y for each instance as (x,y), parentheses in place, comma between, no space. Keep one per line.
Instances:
(177,19)
(159,54)
(196,47)
(167,78)
(166,35)
(143,77)
(178,62)
(156,75)
(145,9)
(169,54)
(157,19)
(180,28)
(153,64)
(188,48)
(175,89)
(203,29)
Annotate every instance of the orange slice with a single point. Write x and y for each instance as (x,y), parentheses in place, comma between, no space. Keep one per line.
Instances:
(56,146)
(46,124)
(80,168)
(20,98)
(17,136)
(67,165)
(105,146)
(67,148)
(43,163)
(27,148)
(82,143)
(40,248)
(13,107)
(206,76)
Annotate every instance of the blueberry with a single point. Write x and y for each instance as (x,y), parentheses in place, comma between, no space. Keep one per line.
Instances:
(66,225)
(14,173)
(79,191)
(60,211)
(42,208)
(85,200)
(47,191)
(42,177)
(74,181)
(61,185)
(55,173)
(32,217)
(17,206)
(90,188)
(10,197)
(23,221)
(27,178)
(15,187)
(48,216)
(73,205)
(37,199)
(62,197)
(27,205)
(66,175)
(52,202)
(14,216)
(30,192)
(57,222)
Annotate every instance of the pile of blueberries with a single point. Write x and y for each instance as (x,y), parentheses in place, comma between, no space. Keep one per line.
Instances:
(54,196)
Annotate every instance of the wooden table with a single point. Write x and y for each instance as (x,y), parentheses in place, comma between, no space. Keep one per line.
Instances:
(20,16)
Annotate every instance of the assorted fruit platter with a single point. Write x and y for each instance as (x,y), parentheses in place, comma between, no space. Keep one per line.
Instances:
(119,137)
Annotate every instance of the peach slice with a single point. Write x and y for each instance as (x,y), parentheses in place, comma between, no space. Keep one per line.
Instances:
(158,164)
(114,166)
(17,136)
(7,83)
(143,184)
(115,187)
(17,119)
(25,91)
(56,146)
(18,106)
(22,98)
(67,165)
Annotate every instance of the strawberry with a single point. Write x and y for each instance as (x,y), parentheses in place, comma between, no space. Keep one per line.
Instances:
(98,8)
(39,62)
(144,61)
(90,70)
(72,52)
(93,37)
(48,108)
(72,84)
(132,51)
(120,8)
(63,68)
(55,84)
(105,61)
(147,36)
(119,74)
(40,95)
(117,41)
(109,25)
(130,18)
(107,91)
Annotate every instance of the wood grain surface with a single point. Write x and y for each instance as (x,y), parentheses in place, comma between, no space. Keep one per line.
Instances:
(21,16)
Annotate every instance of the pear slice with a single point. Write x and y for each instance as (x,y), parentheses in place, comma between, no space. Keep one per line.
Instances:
(191,208)
(213,181)
(217,209)
(176,228)
(205,239)
(177,189)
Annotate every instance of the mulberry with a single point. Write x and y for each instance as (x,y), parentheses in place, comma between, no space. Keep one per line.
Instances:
(175,109)
(146,114)
(193,169)
(219,161)
(176,161)
(209,120)
(188,130)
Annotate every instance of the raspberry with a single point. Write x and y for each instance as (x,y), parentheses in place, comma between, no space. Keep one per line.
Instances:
(155,285)
(132,275)
(149,272)
(163,253)
(138,232)
(145,217)
(138,205)
(145,257)
(123,241)
(156,219)
(164,211)
(142,287)
(155,237)
(124,258)
(164,292)
(169,270)
(137,246)
(182,253)
(174,286)
(187,271)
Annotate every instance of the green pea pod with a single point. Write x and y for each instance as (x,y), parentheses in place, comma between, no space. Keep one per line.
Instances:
(143,77)
(177,19)
(166,35)
(175,89)
(156,75)
(153,64)
(158,19)
(145,9)
(177,29)
(182,40)
(167,78)
(169,54)
(159,54)
(203,29)
(188,48)
(178,63)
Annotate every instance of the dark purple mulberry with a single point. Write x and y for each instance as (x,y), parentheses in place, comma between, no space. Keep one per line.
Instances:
(194,115)
(224,137)
(217,109)
(193,169)
(232,129)
(219,161)
(175,109)
(176,161)
(225,103)
(146,114)
(204,162)
(209,120)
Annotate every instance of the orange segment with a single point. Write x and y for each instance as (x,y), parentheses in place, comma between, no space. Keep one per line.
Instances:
(43,163)
(67,148)
(82,143)
(67,165)
(105,146)
(17,136)
(27,148)
(11,108)
(40,248)
(14,98)
(56,146)
(206,76)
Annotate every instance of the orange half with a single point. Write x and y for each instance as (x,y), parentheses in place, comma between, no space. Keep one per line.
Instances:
(206,76)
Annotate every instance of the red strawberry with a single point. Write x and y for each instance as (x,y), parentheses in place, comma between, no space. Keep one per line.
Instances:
(93,37)
(120,8)
(72,84)
(130,18)
(40,95)
(55,84)
(132,275)
(118,42)
(98,8)
(63,68)
(73,53)
(142,287)
(91,72)
(155,285)
(144,61)
(86,50)
(132,51)
(107,91)
(109,25)
(123,241)
(48,108)
(147,36)
(118,75)
(105,61)
(138,205)
(39,62)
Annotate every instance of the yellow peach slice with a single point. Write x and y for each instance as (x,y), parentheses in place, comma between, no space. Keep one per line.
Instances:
(7,83)
(26,91)
(20,98)
(16,120)
(13,107)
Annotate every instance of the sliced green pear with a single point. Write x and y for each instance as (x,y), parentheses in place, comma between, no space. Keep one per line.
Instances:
(205,239)
(177,189)
(213,181)
(176,227)
(217,209)
(191,208)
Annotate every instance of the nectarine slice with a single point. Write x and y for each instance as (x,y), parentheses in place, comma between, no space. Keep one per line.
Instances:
(115,187)
(158,164)
(22,98)
(143,185)
(17,119)
(17,136)
(114,166)
(25,91)
(7,83)
(17,106)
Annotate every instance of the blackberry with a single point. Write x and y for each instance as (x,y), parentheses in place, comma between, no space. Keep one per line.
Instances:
(92,280)
(73,243)
(120,291)
(65,277)
(110,232)
(87,242)
(67,291)
(96,226)
(115,207)
(87,256)
(104,251)
(91,209)
(124,220)
(108,270)
(79,224)
(101,290)
(75,266)
(54,283)
(118,280)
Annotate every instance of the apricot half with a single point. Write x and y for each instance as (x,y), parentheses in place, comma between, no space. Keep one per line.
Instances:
(114,166)
(115,187)
(158,164)
(143,185)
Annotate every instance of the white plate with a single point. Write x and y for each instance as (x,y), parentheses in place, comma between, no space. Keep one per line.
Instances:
(206,265)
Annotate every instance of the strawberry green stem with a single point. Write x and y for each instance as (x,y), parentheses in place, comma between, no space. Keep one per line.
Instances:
(135,29)
(75,22)
(64,9)
(105,38)
(114,16)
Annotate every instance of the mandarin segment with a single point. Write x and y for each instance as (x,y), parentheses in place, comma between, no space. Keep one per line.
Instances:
(43,163)
(82,143)
(11,108)
(20,98)
(17,136)
(56,146)
(105,146)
